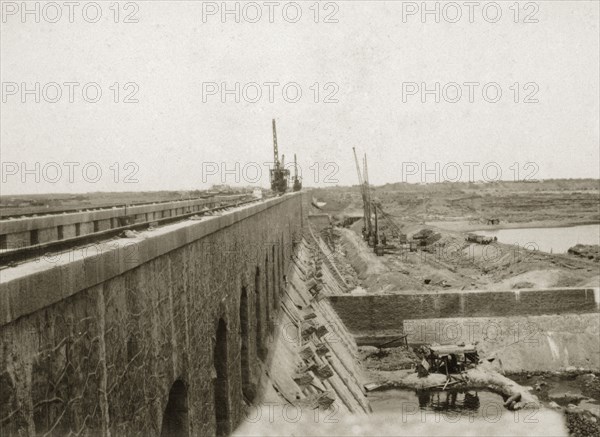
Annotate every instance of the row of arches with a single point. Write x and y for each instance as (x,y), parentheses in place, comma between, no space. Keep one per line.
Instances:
(267,297)
(267,289)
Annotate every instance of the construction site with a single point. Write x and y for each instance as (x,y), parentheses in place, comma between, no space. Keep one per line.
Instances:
(326,314)
(437,307)
(299,218)
(448,328)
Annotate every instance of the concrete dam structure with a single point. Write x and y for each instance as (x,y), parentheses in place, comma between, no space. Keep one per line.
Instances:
(169,341)
(238,322)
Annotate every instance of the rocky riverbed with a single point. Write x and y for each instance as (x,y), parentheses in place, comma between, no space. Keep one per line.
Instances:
(575,391)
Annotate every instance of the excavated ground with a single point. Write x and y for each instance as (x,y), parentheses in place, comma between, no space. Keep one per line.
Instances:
(453,263)
(314,378)
(312,382)
(407,273)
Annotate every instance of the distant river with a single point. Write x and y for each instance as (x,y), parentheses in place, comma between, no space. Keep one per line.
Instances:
(555,240)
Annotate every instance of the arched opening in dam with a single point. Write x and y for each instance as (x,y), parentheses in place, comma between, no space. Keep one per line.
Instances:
(175,419)
(268,294)
(245,350)
(281,267)
(259,325)
(274,262)
(221,382)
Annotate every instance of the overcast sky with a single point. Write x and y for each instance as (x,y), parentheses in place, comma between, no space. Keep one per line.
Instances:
(365,65)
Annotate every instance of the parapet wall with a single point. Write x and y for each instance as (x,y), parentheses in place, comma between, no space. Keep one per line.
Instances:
(170,340)
(20,232)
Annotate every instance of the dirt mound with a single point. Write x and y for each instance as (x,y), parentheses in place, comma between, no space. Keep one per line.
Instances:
(531,279)
(591,282)
(360,256)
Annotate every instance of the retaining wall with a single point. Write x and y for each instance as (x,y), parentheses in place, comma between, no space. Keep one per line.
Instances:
(381,312)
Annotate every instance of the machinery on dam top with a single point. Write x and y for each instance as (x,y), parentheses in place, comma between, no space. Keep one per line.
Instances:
(280,176)
(297,180)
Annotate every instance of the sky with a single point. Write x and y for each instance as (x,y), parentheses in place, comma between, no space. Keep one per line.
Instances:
(369,72)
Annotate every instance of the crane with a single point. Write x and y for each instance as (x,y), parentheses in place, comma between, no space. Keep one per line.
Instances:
(370,232)
(372,209)
(396,230)
(297,183)
(369,202)
(363,193)
(279,175)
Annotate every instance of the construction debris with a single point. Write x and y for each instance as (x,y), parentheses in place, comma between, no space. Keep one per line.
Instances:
(450,358)
(129,234)
(589,251)
(426,237)
(480,239)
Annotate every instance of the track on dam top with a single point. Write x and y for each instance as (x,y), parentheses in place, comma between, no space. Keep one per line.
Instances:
(13,257)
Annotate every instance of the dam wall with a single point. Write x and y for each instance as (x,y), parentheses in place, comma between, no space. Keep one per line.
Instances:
(313,372)
(172,340)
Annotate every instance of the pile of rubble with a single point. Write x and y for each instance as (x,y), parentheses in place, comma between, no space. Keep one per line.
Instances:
(426,237)
(581,423)
(589,251)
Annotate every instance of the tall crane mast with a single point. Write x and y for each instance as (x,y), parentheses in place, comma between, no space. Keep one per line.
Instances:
(360,180)
(364,197)
(374,230)
(297,183)
(275,148)
(370,230)
(279,175)
(295,167)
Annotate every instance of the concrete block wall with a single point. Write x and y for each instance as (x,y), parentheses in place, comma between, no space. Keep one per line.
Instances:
(126,348)
(528,330)
(387,312)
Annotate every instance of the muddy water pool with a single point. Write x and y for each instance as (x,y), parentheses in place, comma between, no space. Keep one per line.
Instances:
(461,413)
